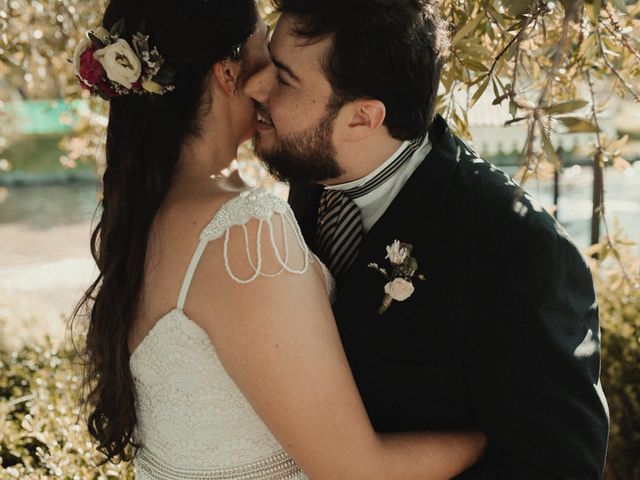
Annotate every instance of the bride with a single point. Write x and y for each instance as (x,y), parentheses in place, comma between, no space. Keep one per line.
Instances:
(211,349)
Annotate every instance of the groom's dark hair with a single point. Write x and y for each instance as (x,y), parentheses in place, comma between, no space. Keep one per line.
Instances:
(388,50)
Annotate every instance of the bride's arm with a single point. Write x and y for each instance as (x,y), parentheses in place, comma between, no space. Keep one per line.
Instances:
(278,340)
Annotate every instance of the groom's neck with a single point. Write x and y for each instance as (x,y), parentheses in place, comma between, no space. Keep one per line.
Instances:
(358,159)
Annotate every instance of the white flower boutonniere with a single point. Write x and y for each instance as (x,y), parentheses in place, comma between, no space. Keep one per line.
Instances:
(399,286)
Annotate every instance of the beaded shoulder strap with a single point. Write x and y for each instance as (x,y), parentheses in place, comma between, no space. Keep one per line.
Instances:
(238,212)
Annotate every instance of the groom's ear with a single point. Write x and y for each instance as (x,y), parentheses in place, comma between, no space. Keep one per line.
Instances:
(227,75)
(365,118)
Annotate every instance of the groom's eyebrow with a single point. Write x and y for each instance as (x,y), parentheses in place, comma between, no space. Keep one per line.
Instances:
(282,66)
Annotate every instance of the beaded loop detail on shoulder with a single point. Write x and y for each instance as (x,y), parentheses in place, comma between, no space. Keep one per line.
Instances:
(251,204)
(271,213)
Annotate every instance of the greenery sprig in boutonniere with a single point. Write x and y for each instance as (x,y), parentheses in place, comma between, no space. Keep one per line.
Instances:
(399,286)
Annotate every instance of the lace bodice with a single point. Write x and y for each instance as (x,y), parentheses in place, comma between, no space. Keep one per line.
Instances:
(193,421)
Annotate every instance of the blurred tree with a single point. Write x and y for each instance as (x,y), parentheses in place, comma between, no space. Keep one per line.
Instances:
(556,63)
(533,54)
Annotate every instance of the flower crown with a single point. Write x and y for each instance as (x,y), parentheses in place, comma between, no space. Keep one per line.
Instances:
(108,66)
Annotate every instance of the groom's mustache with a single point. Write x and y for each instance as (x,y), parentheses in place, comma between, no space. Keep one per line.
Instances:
(262,110)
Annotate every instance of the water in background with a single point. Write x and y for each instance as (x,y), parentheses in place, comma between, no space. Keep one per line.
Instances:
(42,207)
(46,206)
(622,200)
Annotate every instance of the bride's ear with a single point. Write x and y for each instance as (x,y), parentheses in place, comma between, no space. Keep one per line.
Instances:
(227,75)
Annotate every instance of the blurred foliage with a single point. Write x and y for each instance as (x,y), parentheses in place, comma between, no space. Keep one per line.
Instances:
(551,61)
(537,56)
(38,37)
(619,300)
(43,434)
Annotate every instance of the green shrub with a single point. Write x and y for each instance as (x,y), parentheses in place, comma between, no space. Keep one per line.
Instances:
(43,434)
(619,300)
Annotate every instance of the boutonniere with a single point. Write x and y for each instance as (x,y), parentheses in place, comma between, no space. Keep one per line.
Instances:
(399,286)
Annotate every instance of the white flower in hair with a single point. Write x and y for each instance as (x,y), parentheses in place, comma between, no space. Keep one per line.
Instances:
(120,62)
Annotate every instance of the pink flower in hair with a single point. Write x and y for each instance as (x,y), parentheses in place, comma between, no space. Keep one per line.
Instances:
(91,71)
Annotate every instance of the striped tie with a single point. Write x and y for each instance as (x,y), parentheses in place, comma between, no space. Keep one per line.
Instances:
(340,231)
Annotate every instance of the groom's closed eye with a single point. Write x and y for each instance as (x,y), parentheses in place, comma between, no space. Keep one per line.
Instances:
(280,80)
(283,68)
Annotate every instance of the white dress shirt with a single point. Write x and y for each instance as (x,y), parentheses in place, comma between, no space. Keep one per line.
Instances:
(375,203)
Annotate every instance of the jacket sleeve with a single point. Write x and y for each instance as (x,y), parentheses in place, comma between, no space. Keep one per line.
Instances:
(533,363)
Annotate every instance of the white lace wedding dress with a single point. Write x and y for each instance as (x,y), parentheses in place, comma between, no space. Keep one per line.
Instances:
(193,421)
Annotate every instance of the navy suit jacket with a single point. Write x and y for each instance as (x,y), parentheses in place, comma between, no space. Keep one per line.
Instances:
(502,336)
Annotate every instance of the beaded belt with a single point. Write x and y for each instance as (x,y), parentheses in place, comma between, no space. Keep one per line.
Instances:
(276,467)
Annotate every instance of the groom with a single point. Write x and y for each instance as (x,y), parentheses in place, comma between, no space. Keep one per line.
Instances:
(494,324)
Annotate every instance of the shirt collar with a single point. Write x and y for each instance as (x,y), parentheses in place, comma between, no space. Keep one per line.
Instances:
(361,181)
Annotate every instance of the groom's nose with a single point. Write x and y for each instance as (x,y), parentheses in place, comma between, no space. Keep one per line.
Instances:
(260,83)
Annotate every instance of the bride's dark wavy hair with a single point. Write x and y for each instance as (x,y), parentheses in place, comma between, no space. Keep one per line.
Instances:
(144,138)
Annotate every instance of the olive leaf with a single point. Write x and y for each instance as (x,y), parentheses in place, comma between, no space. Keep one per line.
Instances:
(480,91)
(550,152)
(466,30)
(165,76)
(578,125)
(566,107)
(95,40)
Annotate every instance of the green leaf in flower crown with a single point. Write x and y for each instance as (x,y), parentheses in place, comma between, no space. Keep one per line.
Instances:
(119,28)
(165,76)
(95,40)
(140,44)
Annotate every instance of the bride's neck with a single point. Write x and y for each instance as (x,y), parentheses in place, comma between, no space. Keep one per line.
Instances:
(207,155)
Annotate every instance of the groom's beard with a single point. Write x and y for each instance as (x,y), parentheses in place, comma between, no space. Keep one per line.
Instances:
(307,156)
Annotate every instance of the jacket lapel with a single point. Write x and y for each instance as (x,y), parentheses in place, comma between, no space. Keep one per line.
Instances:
(422,198)
(412,217)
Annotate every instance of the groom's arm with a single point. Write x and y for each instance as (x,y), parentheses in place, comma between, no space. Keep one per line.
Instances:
(533,364)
